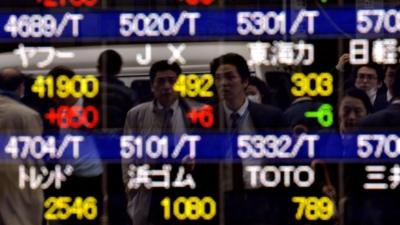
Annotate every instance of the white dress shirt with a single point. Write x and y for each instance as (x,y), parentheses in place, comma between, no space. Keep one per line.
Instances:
(245,123)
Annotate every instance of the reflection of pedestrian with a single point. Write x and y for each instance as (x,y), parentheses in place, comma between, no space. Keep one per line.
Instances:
(390,72)
(86,179)
(149,117)
(389,118)
(369,78)
(257,91)
(231,75)
(279,89)
(236,114)
(353,107)
(367,207)
(114,98)
(165,114)
(113,103)
(17,207)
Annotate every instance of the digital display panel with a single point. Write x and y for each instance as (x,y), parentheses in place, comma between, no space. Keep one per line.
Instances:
(223,112)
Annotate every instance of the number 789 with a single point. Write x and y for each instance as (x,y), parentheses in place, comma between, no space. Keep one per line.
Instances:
(313,208)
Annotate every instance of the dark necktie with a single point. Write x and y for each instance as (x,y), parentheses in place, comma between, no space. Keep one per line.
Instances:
(167,123)
(235,117)
(237,167)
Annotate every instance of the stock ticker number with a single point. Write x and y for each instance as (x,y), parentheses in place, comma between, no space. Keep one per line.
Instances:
(77,86)
(38,147)
(312,84)
(62,3)
(73,116)
(43,26)
(156,25)
(63,208)
(314,208)
(189,208)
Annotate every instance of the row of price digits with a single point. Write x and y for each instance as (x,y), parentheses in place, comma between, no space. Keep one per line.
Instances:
(64,207)
(73,116)
(189,208)
(193,85)
(77,86)
(313,85)
(63,87)
(313,208)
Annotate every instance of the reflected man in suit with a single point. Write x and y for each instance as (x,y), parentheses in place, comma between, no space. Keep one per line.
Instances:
(165,114)
(236,114)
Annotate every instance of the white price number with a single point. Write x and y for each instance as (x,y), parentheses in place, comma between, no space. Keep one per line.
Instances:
(378,144)
(378,20)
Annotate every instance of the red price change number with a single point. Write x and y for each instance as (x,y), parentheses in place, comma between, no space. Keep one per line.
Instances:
(63,3)
(199,2)
(73,116)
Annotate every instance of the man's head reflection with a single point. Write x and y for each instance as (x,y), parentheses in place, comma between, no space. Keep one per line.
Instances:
(353,106)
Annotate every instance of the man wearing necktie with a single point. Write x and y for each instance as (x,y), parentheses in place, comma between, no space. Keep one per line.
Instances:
(167,123)
(236,114)
(164,115)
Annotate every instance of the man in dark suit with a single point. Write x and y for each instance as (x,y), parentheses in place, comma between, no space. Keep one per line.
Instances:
(113,102)
(369,206)
(114,99)
(389,118)
(369,78)
(390,72)
(235,114)
(165,114)
(234,111)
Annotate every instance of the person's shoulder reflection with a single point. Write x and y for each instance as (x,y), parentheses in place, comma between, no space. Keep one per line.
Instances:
(17,206)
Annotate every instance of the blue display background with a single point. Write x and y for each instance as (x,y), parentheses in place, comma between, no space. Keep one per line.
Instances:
(212,25)
(219,148)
